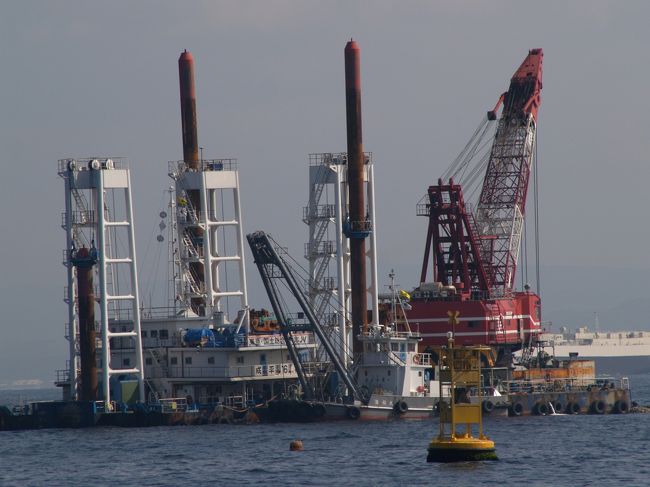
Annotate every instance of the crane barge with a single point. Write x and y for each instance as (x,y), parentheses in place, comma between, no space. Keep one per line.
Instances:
(467,282)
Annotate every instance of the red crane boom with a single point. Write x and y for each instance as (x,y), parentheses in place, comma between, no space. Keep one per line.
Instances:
(502,204)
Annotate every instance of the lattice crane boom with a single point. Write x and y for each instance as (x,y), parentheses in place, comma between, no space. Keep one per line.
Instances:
(502,203)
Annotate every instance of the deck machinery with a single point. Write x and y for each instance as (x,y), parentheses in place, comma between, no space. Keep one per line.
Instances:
(468,271)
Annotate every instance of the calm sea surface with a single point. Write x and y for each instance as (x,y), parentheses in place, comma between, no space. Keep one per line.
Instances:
(538,451)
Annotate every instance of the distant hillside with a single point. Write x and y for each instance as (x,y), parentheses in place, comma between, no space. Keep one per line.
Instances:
(571,296)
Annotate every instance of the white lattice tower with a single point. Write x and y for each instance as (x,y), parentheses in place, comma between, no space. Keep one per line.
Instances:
(94,189)
(217,184)
(328,249)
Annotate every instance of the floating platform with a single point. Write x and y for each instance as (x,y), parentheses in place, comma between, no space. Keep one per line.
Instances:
(87,414)
(461,449)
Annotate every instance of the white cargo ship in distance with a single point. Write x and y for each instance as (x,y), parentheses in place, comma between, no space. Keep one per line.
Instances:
(615,352)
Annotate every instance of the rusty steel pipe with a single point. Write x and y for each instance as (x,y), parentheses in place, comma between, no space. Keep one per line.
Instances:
(188,110)
(356,193)
(84,263)
(191,155)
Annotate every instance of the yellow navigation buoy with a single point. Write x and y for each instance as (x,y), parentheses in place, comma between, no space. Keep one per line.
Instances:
(296,445)
(460,373)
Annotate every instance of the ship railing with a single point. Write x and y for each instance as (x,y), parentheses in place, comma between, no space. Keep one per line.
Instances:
(154,342)
(83,164)
(176,168)
(62,376)
(389,333)
(326,247)
(267,340)
(318,212)
(312,368)
(173,404)
(566,385)
(101,407)
(236,402)
(149,313)
(320,158)
(163,312)
(78,218)
(283,370)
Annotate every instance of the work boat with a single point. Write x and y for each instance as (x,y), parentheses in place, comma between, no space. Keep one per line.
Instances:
(396,375)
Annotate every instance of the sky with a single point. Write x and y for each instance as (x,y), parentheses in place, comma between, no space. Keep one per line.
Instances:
(85,78)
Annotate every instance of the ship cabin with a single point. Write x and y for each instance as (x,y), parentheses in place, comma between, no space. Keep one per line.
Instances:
(391,364)
(209,362)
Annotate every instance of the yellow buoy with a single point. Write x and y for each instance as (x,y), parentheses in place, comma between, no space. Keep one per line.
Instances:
(296,445)
(460,372)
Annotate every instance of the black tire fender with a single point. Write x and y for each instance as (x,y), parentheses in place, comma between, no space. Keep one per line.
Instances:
(353,412)
(573,408)
(487,406)
(540,409)
(598,407)
(517,409)
(401,407)
(621,407)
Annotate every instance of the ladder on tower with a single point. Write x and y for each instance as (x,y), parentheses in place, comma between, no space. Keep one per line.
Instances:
(110,296)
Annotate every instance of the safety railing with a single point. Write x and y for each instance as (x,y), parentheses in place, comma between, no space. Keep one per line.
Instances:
(285,370)
(315,212)
(176,168)
(567,385)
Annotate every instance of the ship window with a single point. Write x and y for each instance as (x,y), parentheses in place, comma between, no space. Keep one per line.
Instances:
(154,333)
(474,323)
(126,361)
(148,361)
(411,347)
(211,360)
(188,360)
(394,347)
(173,360)
(143,333)
(240,359)
(389,372)
(164,334)
(365,372)
(419,373)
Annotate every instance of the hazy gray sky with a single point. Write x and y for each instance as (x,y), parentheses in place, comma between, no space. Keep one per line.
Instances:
(100,78)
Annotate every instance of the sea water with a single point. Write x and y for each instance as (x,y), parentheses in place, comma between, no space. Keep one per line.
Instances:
(534,451)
